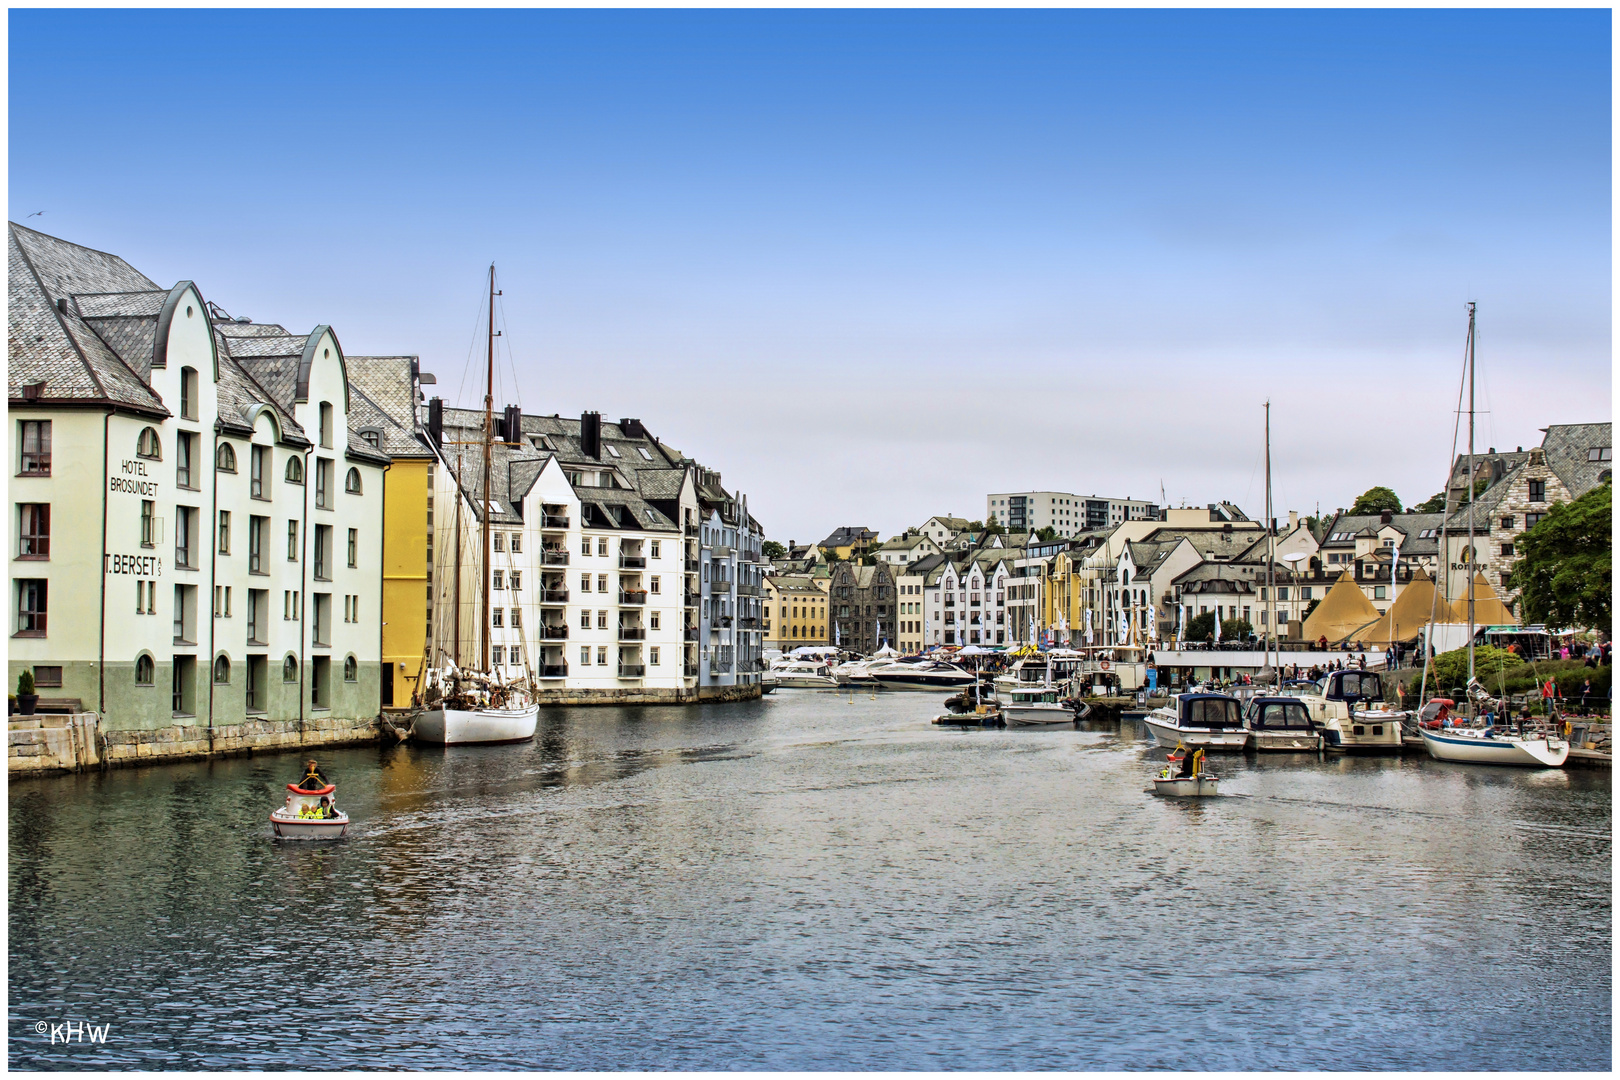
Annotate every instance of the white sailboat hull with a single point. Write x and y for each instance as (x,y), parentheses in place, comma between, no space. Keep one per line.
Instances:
(454,727)
(1547,753)
(1037,714)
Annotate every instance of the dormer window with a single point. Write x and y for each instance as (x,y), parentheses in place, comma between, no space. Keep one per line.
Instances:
(372,438)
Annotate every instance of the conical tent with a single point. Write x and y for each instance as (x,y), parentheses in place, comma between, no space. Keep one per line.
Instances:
(1488,607)
(1343,613)
(1419,602)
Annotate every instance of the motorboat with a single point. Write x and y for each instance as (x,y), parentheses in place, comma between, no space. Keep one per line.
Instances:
(1040,670)
(928,675)
(1347,707)
(1488,746)
(1211,721)
(464,707)
(1039,707)
(1280,722)
(858,672)
(1184,779)
(295,820)
(804,675)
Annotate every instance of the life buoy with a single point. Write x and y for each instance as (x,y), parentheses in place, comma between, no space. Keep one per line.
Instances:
(1103,664)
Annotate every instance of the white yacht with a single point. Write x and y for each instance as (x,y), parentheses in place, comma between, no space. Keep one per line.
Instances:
(1282,723)
(928,675)
(1038,706)
(1348,708)
(804,675)
(1486,746)
(1041,669)
(1213,721)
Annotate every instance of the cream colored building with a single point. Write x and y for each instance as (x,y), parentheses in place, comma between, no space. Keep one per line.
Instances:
(199,523)
(795,611)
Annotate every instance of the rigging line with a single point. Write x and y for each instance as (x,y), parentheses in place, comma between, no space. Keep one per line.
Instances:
(511,356)
(472,345)
(1443,563)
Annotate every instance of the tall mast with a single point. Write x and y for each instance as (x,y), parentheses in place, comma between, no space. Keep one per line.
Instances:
(489,443)
(455,639)
(1271,550)
(1469,569)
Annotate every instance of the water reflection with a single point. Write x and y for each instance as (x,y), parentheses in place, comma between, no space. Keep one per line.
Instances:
(806,883)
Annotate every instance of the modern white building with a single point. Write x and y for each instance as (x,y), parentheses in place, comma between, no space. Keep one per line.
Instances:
(1064,512)
(198,523)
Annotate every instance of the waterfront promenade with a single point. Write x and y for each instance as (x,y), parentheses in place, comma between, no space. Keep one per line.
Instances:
(806,883)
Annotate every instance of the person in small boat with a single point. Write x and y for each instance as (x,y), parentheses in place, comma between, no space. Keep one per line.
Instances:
(313,780)
(326,810)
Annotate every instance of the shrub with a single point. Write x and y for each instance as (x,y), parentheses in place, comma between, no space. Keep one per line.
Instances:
(25,682)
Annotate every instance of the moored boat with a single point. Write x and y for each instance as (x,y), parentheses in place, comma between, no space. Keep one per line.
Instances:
(1038,707)
(1347,707)
(1280,723)
(929,675)
(1485,746)
(804,675)
(1214,721)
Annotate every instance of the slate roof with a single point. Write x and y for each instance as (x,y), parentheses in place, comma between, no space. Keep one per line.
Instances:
(380,390)
(1566,447)
(846,535)
(1412,526)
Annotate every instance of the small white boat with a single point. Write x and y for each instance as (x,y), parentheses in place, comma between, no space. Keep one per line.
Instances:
(1484,746)
(1214,721)
(804,675)
(1191,785)
(286,823)
(1037,707)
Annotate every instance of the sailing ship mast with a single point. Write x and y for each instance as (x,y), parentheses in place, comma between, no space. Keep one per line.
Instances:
(1271,552)
(1469,567)
(489,442)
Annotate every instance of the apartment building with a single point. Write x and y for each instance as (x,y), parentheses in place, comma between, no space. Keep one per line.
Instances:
(1064,512)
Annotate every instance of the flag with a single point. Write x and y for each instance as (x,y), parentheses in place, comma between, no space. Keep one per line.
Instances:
(1217,624)
(1181,625)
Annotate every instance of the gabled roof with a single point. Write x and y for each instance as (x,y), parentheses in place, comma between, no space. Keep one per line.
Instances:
(1566,447)
(1343,529)
(380,391)
(845,535)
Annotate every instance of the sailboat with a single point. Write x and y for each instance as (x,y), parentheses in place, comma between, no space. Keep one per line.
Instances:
(1483,745)
(462,704)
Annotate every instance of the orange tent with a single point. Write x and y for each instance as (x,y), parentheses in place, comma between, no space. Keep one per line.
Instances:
(1344,613)
(1419,602)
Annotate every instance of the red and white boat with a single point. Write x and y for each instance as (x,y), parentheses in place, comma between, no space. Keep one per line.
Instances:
(286,823)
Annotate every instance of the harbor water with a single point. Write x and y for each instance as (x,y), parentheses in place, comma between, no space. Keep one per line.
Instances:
(814,881)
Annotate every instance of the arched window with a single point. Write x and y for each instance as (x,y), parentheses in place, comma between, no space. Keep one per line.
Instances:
(289,669)
(222,669)
(148,445)
(188,393)
(226,460)
(351,483)
(351,669)
(145,674)
(295,470)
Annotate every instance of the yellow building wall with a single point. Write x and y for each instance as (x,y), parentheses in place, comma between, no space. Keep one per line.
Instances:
(405,575)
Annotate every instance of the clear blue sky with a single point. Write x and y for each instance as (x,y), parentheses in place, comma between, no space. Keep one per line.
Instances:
(874,265)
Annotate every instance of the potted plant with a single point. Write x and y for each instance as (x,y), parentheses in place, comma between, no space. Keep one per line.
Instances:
(26,698)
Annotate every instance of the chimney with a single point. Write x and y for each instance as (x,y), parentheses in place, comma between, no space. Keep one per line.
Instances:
(436,421)
(1293,520)
(633,429)
(590,434)
(512,424)
(1383,518)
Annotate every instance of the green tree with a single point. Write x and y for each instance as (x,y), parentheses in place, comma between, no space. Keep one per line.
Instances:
(1566,571)
(1235,629)
(1310,607)
(994,529)
(1376,500)
(772,550)
(1450,670)
(1046,534)
(1435,504)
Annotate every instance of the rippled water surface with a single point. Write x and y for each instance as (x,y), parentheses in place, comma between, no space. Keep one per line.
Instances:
(808,882)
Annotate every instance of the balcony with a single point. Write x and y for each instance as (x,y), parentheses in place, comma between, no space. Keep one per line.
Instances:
(554,671)
(553,557)
(720,551)
(719,587)
(632,671)
(748,556)
(554,596)
(632,562)
(748,590)
(689,670)
(950,603)
(692,599)
(553,521)
(690,633)
(632,633)
(692,565)
(691,530)
(723,621)
(554,633)
(747,623)
(633,597)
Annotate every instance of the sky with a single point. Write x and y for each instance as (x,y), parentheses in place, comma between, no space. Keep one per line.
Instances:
(873,265)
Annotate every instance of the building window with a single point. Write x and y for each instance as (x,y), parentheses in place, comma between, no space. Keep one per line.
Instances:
(1507,522)
(585,545)
(515,580)
(1600,453)
(1507,551)
(517,619)
(145,670)
(1531,520)
(185,445)
(585,656)
(496,580)
(222,670)
(601,545)
(584,583)
(354,548)
(292,541)
(499,540)
(323,553)
(188,393)
(224,532)
(323,483)
(1305,593)
(257,668)
(498,655)
(258,537)
(1538,491)
(1378,592)
(34,531)
(351,482)
(295,470)
(257,456)
(654,583)
(584,619)
(148,532)
(601,655)
(655,548)
(601,583)
(147,444)
(652,655)
(495,617)
(31,604)
(517,542)
(652,620)
(225,460)
(258,603)
(36,448)
(601,620)
(320,682)
(351,669)
(289,669)
(181,685)
(326,424)
(184,517)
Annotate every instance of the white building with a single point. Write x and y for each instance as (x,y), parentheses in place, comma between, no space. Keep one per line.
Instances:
(1064,512)
(199,525)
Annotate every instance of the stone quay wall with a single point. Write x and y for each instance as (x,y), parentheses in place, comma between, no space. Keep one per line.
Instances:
(70,742)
